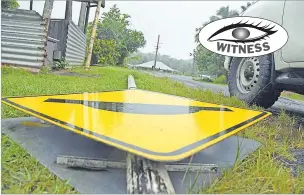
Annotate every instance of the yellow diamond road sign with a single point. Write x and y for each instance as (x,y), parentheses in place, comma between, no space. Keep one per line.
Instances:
(153,125)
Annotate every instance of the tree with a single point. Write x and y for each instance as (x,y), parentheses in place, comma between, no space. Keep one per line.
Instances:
(114,28)
(106,51)
(9,4)
(92,37)
(244,7)
(223,12)
(206,60)
(209,62)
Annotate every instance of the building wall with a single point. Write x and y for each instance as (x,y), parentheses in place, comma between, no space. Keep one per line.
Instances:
(76,45)
(52,45)
(72,41)
(58,29)
(23,38)
(24,41)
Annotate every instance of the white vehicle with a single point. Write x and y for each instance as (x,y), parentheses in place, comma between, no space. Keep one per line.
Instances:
(260,80)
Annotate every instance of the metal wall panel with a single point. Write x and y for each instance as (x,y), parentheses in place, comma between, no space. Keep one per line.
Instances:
(23,38)
(58,29)
(76,45)
(52,45)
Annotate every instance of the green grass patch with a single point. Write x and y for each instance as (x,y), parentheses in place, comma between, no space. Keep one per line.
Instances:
(221,80)
(206,80)
(291,95)
(260,173)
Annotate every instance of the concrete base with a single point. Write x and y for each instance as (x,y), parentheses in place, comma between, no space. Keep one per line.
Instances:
(45,143)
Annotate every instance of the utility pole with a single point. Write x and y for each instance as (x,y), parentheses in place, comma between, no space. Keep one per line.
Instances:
(193,64)
(157,47)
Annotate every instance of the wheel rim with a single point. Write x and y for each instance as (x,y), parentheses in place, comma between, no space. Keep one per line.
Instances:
(248,74)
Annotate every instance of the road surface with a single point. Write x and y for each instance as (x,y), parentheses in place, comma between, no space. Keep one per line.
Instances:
(291,106)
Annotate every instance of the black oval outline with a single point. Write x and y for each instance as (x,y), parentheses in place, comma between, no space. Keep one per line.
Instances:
(246,17)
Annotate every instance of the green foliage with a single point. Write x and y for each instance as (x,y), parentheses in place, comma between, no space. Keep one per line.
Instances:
(221,80)
(9,4)
(106,52)
(209,62)
(223,12)
(116,41)
(62,64)
(45,70)
(244,7)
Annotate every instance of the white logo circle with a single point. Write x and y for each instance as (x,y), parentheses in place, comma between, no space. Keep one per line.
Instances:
(243,36)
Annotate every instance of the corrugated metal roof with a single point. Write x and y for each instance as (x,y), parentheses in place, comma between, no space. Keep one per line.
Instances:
(159,65)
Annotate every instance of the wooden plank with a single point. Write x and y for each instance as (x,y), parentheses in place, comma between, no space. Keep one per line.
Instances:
(143,175)
(147,177)
(68,10)
(192,167)
(31,4)
(82,16)
(94,164)
(86,22)
(93,2)
(102,164)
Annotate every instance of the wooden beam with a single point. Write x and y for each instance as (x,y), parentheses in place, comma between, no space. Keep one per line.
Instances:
(103,164)
(68,10)
(47,9)
(87,18)
(93,164)
(93,2)
(143,175)
(147,177)
(31,4)
(46,16)
(82,16)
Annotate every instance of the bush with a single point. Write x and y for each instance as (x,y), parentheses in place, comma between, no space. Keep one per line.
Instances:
(62,64)
(221,80)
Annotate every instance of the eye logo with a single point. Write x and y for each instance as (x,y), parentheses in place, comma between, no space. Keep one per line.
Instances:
(243,36)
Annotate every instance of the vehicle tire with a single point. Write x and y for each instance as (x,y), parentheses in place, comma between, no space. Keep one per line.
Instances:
(249,79)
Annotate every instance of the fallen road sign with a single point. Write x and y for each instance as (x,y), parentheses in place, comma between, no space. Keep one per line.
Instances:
(156,126)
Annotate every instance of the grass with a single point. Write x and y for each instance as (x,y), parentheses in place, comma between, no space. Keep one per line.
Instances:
(221,80)
(259,173)
(285,94)
(208,81)
(291,95)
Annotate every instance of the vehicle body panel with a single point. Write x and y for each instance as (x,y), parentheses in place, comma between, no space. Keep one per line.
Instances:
(290,15)
(293,17)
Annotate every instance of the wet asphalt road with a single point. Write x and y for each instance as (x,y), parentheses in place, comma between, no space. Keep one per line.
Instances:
(293,107)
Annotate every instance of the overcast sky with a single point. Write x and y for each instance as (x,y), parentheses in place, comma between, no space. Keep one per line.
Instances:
(174,21)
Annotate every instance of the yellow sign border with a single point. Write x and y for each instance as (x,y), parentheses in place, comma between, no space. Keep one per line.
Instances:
(176,155)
